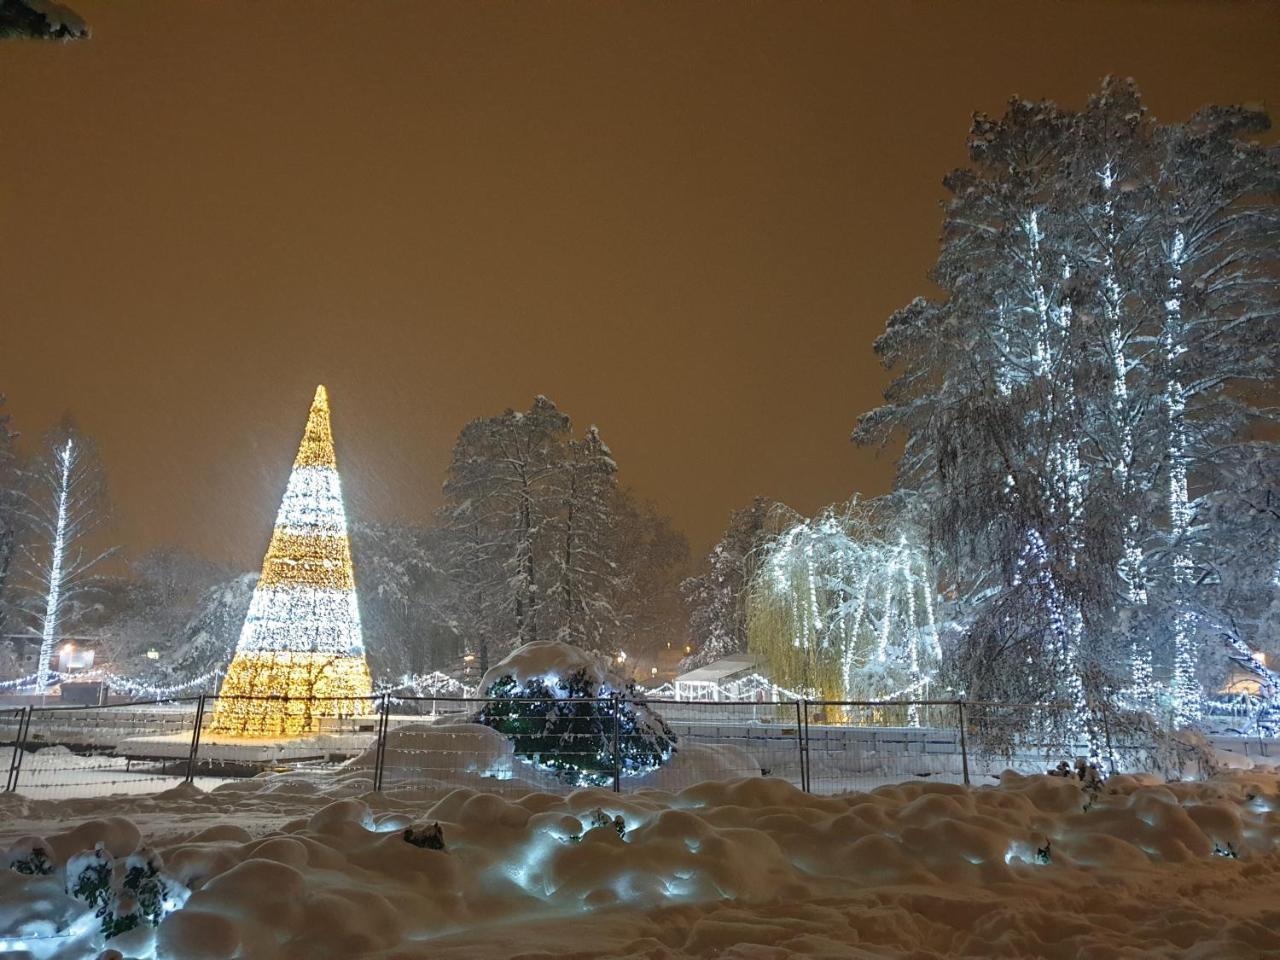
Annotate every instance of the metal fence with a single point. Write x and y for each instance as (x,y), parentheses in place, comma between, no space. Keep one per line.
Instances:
(397,743)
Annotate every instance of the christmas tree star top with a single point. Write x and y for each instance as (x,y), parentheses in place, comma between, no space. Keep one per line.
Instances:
(316,449)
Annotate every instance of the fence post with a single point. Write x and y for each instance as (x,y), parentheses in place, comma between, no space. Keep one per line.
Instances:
(802,735)
(19,738)
(808,750)
(617,769)
(380,745)
(195,740)
(799,744)
(964,748)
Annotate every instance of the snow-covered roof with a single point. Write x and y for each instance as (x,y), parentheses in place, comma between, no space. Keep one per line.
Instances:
(718,671)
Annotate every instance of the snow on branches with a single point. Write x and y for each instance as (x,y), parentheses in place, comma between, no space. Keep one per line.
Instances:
(1107,332)
(845,605)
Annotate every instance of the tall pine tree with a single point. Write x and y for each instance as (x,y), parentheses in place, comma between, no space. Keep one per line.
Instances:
(1110,313)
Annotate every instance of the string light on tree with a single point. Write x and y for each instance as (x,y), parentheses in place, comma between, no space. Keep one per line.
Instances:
(61,508)
(49,624)
(837,604)
(301,652)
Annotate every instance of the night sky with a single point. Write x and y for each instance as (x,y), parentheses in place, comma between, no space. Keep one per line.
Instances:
(682,222)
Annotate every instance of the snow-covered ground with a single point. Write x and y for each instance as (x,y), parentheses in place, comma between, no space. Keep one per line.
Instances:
(55,773)
(317,866)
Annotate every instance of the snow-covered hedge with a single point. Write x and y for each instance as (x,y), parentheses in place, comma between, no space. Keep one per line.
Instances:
(567,712)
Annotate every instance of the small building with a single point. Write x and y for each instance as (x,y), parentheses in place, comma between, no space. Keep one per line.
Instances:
(1245,677)
(735,677)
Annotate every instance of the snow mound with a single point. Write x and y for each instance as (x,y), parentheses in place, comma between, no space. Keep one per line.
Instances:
(745,867)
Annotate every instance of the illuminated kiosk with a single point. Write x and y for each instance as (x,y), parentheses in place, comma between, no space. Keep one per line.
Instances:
(300,658)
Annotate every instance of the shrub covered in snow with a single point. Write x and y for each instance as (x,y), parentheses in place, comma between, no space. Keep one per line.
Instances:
(567,712)
(31,859)
(124,894)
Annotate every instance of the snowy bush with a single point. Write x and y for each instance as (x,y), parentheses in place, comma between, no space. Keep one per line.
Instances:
(31,859)
(89,877)
(123,894)
(566,712)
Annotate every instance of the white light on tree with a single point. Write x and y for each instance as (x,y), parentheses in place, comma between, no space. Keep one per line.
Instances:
(1187,695)
(301,656)
(63,507)
(1066,627)
(49,628)
(836,606)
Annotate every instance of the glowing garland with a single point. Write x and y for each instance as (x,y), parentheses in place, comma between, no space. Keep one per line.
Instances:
(114,681)
(26,681)
(300,657)
(1187,692)
(731,691)
(430,685)
(127,685)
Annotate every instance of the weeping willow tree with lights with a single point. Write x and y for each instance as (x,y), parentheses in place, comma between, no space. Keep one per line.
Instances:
(844,606)
(300,657)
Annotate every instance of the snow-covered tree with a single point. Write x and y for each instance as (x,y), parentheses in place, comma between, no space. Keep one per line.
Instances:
(1239,567)
(473,563)
(10,504)
(531,536)
(591,580)
(716,597)
(501,491)
(1212,253)
(147,609)
(654,558)
(845,605)
(1109,318)
(40,20)
(212,629)
(403,598)
(64,506)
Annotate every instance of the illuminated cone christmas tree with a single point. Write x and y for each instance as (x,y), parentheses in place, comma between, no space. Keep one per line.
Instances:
(301,642)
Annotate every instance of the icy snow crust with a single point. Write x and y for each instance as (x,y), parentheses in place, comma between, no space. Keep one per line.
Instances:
(289,867)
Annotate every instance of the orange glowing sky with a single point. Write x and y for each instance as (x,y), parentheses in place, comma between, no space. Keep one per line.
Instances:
(683,222)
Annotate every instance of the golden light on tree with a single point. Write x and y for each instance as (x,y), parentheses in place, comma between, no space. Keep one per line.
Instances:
(300,657)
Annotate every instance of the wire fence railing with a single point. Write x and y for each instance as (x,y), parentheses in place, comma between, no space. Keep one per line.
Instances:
(558,745)
(65,752)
